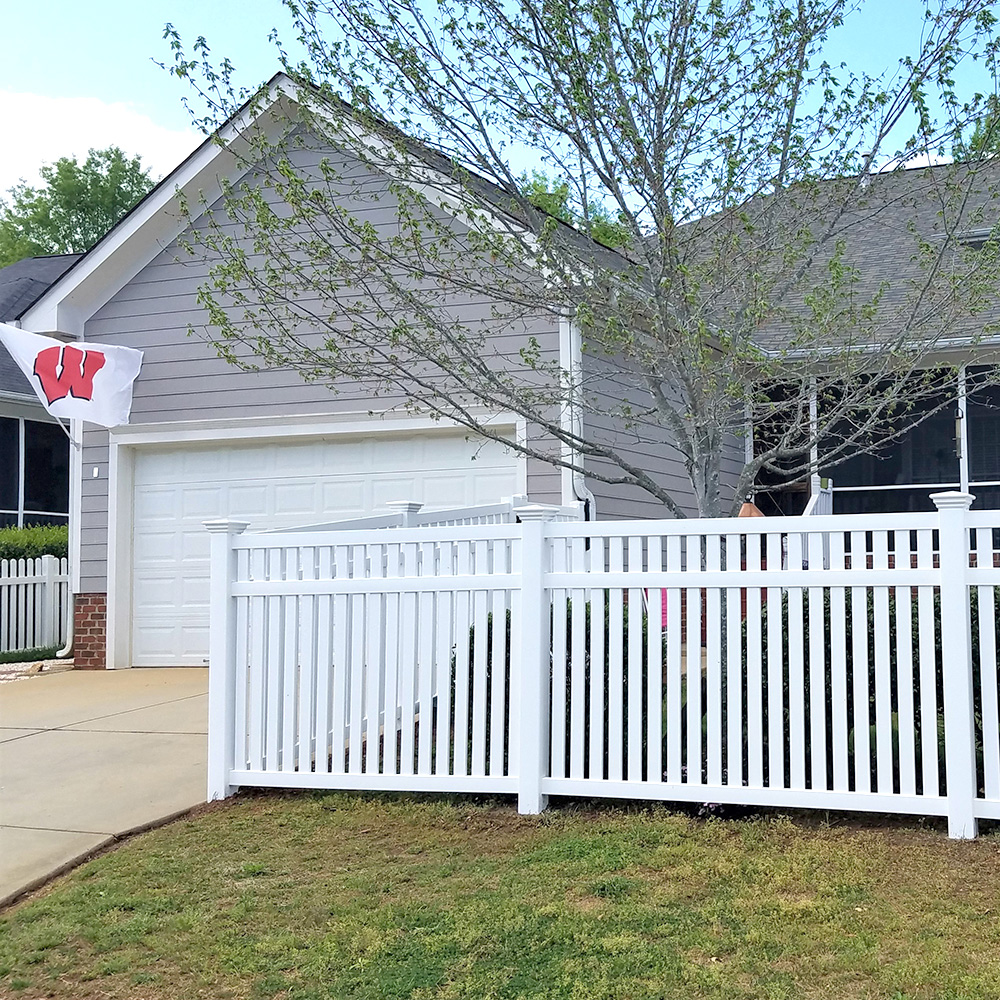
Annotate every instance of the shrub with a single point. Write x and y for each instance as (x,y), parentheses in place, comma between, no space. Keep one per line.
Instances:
(34,542)
(24,655)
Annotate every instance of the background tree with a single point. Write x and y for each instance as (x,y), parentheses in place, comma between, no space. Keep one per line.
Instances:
(74,207)
(734,163)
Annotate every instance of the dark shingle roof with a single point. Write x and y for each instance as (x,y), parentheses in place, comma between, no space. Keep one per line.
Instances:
(21,285)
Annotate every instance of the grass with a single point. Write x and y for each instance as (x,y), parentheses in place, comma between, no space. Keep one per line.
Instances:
(308,896)
(26,655)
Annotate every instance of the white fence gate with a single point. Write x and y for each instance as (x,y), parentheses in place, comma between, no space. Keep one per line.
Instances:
(34,603)
(834,662)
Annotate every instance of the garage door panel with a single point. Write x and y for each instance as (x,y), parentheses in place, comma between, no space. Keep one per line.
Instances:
(395,488)
(155,547)
(158,504)
(489,486)
(347,497)
(271,485)
(195,546)
(295,498)
(252,500)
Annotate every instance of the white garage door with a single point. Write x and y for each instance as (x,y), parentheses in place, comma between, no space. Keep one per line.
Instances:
(276,485)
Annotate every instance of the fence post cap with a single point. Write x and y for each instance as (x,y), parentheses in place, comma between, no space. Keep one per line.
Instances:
(952,500)
(223,524)
(536,512)
(404,506)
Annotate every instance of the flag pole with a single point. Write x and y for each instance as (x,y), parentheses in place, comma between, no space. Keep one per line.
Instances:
(68,433)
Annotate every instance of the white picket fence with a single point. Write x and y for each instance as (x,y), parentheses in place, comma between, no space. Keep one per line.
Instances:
(34,603)
(838,660)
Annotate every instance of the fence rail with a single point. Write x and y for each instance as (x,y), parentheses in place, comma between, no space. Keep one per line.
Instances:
(835,662)
(34,603)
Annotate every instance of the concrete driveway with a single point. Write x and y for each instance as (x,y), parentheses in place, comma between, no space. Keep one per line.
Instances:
(86,756)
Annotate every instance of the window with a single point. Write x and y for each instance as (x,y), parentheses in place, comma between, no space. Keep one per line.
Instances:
(46,468)
(10,435)
(34,472)
(939,453)
(983,416)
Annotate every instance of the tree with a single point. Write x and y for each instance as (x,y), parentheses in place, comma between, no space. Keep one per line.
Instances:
(984,139)
(75,206)
(734,164)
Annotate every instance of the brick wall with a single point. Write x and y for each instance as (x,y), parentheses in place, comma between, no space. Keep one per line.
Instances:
(90,631)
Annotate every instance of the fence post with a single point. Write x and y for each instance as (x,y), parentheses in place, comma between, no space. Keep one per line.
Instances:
(50,599)
(221,658)
(533,659)
(956,646)
(406,509)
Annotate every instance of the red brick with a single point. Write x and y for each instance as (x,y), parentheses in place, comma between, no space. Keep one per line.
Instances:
(90,631)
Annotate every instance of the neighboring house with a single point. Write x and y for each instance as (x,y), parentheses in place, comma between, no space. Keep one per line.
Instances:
(955,443)
(34,449)
(207,440)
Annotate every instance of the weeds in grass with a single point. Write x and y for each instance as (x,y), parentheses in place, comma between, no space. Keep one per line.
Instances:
(313,895)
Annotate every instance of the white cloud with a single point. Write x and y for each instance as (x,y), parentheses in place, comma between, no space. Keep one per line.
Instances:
(40,130)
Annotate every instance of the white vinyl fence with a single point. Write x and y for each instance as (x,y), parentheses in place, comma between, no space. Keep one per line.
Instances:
(832,662)
(34,603)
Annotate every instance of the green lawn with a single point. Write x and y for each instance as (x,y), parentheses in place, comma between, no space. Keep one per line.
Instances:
(359,897)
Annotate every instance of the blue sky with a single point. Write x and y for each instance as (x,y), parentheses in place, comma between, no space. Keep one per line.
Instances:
(80,73)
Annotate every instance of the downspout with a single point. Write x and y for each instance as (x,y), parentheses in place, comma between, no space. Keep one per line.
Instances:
(573,344)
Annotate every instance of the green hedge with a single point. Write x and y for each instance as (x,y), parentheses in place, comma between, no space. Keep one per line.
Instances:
(31,543)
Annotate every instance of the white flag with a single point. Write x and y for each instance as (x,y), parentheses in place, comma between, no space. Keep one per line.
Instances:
(77,381)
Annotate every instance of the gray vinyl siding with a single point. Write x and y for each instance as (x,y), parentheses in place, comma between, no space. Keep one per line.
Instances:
(645,445)
(183,379)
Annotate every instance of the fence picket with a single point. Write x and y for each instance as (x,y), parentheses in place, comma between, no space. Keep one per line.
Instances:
(775,672)
(930,764)
(734,667)
(341,670)
(796,671)
(560,706)
(713,664)
(987,666)
(578,666)
(425,669)
(479,667)
(444,675)
(817,668)
(498,661)
(635,675)
(324,663)
(840,749)
(598,667)
(616,663)
(462,661)
(654,666)
(905,679)
(374,661)
(692,665)
(755,670)
(675,709)
(883,678)
(289,665)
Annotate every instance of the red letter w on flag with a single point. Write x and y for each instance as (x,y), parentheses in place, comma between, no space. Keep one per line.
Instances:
(76,377)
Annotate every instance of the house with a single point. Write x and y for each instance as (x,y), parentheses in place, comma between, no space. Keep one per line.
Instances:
(209,440)
(34,449)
